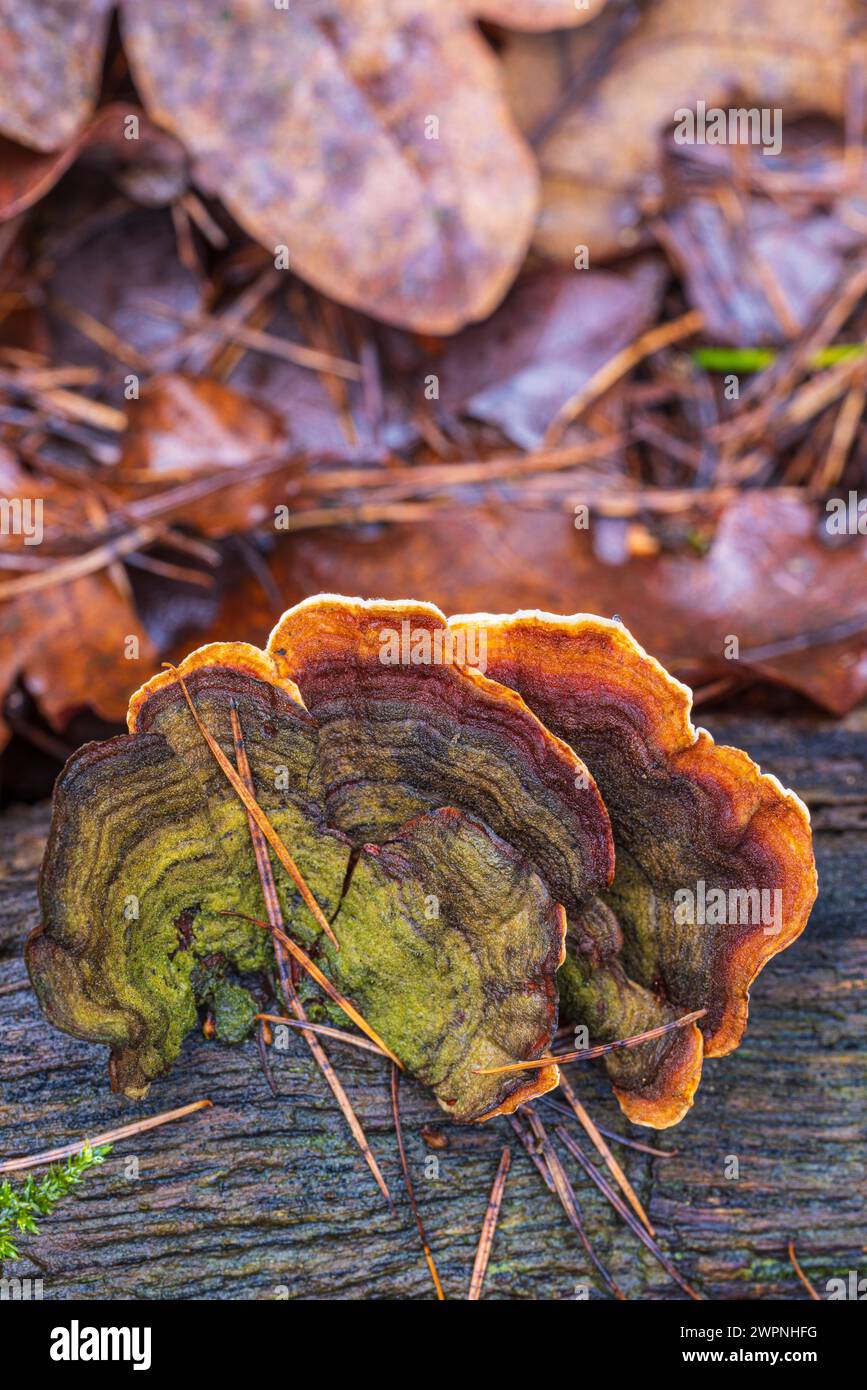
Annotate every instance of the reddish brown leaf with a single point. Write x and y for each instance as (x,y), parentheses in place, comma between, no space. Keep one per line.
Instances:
(50,65)
(69,642)
(537,14)
(184,426)
(371,141)
(555,330)
(26,175)
(602,156)
(767,578)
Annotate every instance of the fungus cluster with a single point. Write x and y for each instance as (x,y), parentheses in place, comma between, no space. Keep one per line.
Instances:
(497,848)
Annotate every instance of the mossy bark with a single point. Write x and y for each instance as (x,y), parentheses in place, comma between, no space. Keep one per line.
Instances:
(260,1198)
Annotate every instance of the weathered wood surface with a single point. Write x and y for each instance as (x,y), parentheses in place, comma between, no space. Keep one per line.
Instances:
(261,1194)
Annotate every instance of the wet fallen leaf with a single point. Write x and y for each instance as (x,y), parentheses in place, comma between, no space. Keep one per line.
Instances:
(758,266)
(69,647)
(537,14)
(183,427)
(372,142)
(299,396)
(767,579)
(117,274)
(776,268)
(554,331)
(26,175)
(50,64)
(69,643)
(602,156)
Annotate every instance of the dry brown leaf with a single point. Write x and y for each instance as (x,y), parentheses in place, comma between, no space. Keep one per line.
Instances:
(186,426)
(50,67)
(372,141)
(26,175)
(602,158)
(554,331)
(68,643)
(766,579)
(537,14)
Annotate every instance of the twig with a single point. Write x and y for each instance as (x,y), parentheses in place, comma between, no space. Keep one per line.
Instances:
(65,571)
(258,341)
(425,1245)
(422,477)
(801,641)
(14,987)
(68,405)
(660,336)
(111,1136)
(180,574)
(99,333)
(489,1226)
(845,432)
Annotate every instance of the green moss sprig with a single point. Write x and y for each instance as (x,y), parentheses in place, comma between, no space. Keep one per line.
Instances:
(21,1207)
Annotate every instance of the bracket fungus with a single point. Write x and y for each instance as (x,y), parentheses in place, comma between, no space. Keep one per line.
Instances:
(715,871)
(436,827)
(423,780)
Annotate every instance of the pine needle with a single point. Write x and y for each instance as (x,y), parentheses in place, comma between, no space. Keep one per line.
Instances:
(338,1034)
(489,1226)
(568,1200)
(262,1049)
(258,815)
(15,986)
(599,1143)
(395,1079)
(313,970)
(111,1136)
(800,1273)
(660,336)
(587,1053)
(622,1209)
(529,1145)
(611,1133)
(275,923)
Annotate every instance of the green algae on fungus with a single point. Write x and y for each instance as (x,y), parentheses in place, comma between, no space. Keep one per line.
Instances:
(425,817)
(472,934)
